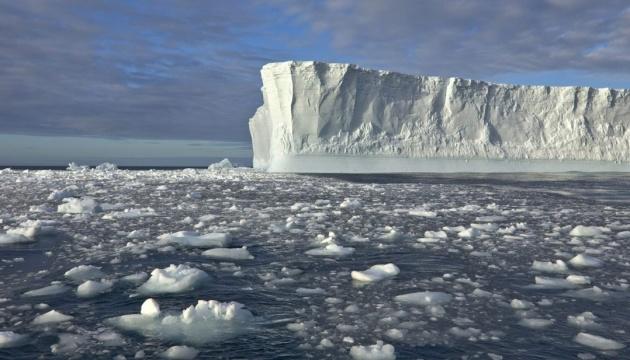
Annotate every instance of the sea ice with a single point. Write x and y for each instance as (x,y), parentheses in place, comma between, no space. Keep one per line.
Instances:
(54,289)
(79,206)
(378,351)
(585,261)
(173,279)
(585,320)
(589,231)
(536,323)
(91,288)
(558,266)
(221,165)
(83,273)
(331,250)
(376,273)
(424,298)
(51,317)
(180,352)
(597,342)
(194,239)
(229,253)
(208,321)
(9,339)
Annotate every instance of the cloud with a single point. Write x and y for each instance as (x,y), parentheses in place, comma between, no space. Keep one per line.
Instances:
(190,69)
(476,37)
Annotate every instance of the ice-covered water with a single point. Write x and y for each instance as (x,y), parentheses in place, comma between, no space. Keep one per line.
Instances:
(489,266)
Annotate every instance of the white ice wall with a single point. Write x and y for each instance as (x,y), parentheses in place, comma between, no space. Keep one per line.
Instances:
(319,109)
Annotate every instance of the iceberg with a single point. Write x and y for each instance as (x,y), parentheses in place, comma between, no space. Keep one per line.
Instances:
(320,117)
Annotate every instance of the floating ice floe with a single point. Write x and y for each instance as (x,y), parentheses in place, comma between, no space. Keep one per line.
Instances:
(180,352)
(229,253)
(424,298)
(130,214)
(194,239)
(221,165)
(13,238)
(589,231)
(593,293)
(331,250)
(79,206)
(422,213)
(597,342)
(376,273)
(10,339)
(51,317)
(54,289)
(68,343)
(208,321)
(378,351)
(536,323)
(350,204)
(558,266)
(26,232)
(91,288)
(173,279)
(585,261)
(585,320)
(83,273)
(69,191)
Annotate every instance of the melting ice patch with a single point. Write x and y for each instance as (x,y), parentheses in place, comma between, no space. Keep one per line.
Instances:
(208,321)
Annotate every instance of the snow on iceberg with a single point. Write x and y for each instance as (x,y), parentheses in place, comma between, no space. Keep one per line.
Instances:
(173,279)
(319,117)
(208,321)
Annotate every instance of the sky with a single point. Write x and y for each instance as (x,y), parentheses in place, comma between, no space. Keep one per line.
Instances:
(93,74)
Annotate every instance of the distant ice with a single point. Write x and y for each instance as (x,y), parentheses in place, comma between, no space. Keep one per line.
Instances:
(424,298)
(221,165)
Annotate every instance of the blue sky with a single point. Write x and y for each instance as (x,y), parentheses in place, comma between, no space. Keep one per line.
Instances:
(180,71)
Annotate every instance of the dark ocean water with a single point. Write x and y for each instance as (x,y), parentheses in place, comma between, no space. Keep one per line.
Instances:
(520,217)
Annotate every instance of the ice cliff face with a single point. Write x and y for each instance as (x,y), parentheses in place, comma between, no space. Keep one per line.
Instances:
(322,109)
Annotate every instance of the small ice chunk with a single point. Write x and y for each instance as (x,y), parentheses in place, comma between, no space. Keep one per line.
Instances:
(83,273)
(93,288)
(585,261)
(558,266)
(535,323)
(585,320)
(13,238)
(58,195)
(597,342)
(150,308)
(229,253)
(68,343)
(376,273)
(423,213)
(579,279)
(308,291)
(9,339)
(593,293)
(469,233)
(180,352)
(518,304)
(590,231)
(553,283)
(221,165)
(194,239)
(378,351)
(424,298)
(173,279)
(208,321)
(136,278)
(53,316)
(331,250)
(54,289)
(85,205)
(350,204)
(436,234)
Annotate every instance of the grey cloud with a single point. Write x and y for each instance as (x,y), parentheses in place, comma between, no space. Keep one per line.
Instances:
(476,37)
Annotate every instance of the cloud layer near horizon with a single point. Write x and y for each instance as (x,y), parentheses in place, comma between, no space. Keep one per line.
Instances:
(189,70)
